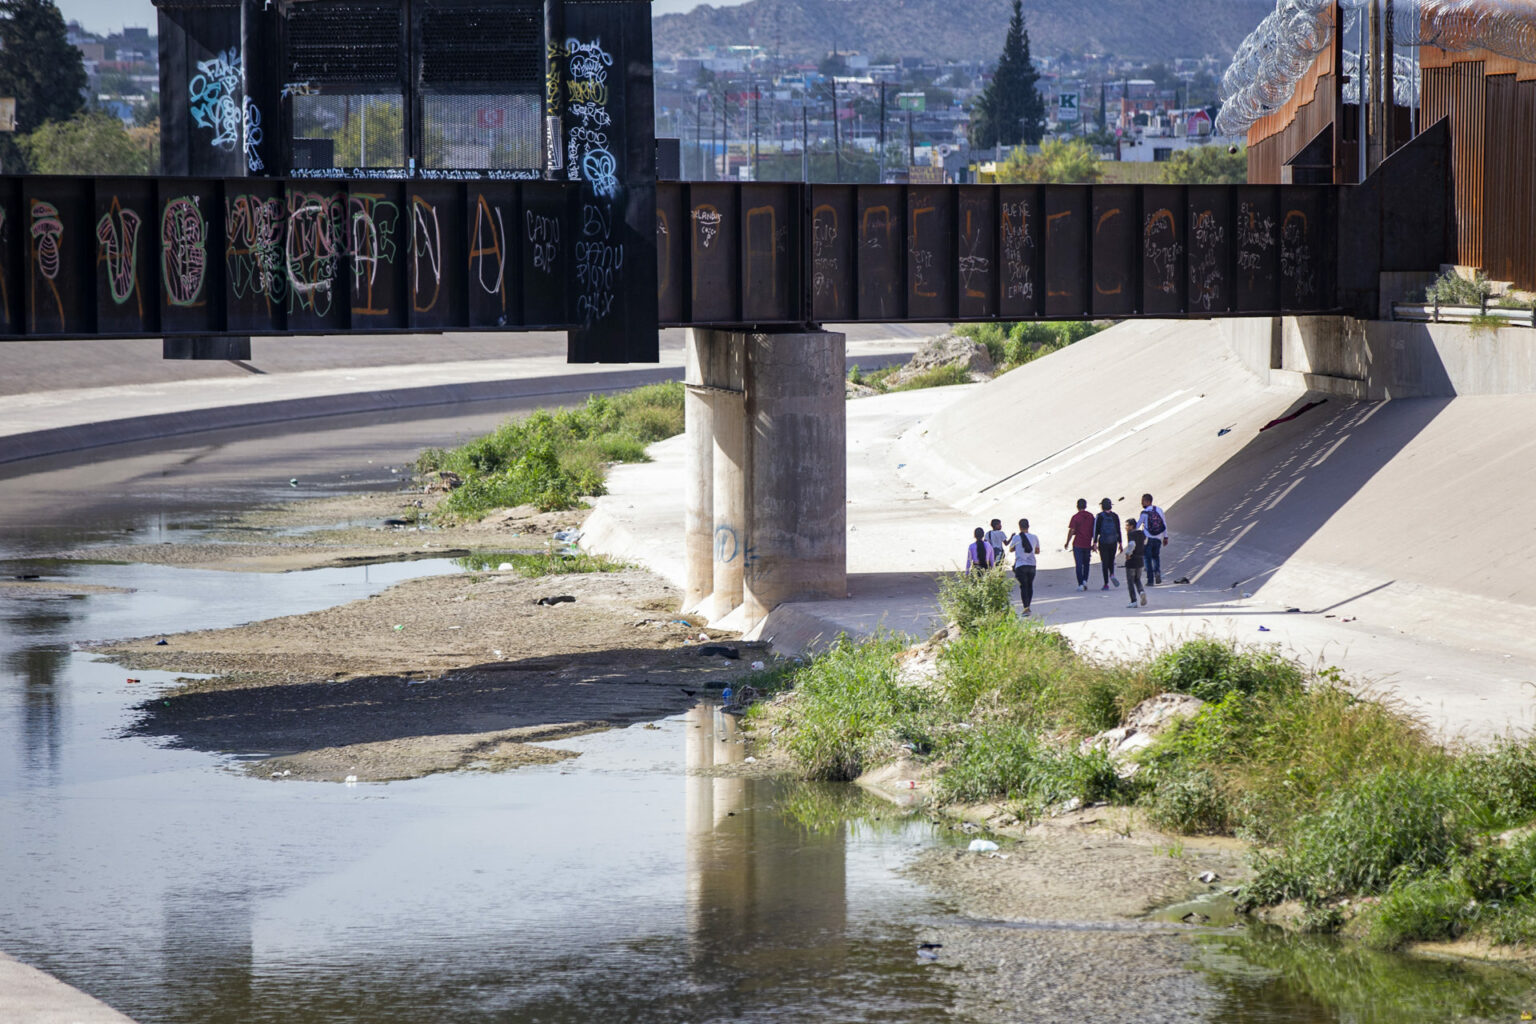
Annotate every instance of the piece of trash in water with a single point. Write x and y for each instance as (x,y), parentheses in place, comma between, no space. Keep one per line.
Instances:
(504,567)
(927,954)
(757,666)
(161,642)
(726,693)
(398,626)
(555,599)
(982,846)
(1247,594)
(133,680)
(569,536)
(350,780)
(1292,611)
(728,653)
(1263,629)
(293,481)
(750,760)
(27,576)
(1209,876)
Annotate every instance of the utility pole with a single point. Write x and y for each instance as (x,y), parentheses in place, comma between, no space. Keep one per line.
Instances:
(805,142)
(837,139)
(882,131)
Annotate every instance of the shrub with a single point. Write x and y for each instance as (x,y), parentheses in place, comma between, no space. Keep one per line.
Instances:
(1210,669)
(1388,822)
(938,377)
(1011,762)
(551,459)
(970,599)
(852,713)
(1191,802)
(1451,289)
(1503,778)
(1418,908)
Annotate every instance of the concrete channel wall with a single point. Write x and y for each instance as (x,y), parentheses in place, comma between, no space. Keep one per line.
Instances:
(1376,360)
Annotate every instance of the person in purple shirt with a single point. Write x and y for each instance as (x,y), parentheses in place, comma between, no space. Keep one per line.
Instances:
(979,555)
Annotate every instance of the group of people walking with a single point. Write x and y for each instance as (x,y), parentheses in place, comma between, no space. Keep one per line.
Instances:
(1141,543)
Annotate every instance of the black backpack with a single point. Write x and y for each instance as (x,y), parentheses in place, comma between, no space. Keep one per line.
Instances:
(1155,524)
(1108,528)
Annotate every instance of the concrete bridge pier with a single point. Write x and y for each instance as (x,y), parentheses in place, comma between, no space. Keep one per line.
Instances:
(767,476)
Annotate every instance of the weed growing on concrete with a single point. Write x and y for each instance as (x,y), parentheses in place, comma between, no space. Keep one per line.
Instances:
(553,459)
(938,377)
(974,599)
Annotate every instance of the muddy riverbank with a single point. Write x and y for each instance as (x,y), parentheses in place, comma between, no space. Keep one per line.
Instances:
(434,674)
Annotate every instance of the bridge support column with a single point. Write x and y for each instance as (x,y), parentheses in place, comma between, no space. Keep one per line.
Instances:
(767,472)
(796,408)
(699,482)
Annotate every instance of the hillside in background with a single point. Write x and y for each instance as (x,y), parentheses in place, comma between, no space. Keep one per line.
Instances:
(968,29)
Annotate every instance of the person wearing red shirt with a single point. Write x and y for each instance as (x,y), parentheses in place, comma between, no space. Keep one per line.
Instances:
(1080,539)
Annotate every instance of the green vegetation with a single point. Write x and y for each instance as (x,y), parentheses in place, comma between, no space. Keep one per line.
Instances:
(882,379)
(1206,165)
(552,459)
(531,566)
(92,143)
(1060,161)
(1353,809)
(1012,345)
(1010,110)
(1451,289)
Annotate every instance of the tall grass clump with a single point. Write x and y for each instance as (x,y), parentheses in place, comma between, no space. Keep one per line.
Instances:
(552,459)
(1451,289)
(1012,345)
(1014,763)
(972,600)
(853,713)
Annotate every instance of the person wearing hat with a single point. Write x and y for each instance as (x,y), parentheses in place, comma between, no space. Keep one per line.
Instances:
(1106,533)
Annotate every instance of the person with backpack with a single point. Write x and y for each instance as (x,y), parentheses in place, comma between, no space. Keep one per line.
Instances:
(1080,539)
(1106,533)
(1135,552)
(1025,547)
(1154,521)
(979,555)
(999,541)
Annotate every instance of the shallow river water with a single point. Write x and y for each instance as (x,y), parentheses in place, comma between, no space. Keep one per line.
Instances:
(629,884)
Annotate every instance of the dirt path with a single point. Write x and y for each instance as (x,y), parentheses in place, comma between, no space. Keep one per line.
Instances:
(434,674)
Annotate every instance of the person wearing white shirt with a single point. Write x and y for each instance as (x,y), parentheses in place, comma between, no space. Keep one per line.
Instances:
(998,539)
(1154,523)
(1025,546)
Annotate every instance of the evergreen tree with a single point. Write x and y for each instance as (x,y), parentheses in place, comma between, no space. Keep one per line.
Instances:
(1010,110)
(37,64)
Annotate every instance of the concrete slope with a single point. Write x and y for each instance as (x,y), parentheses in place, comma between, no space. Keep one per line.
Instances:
(1410,509)
(1351,513)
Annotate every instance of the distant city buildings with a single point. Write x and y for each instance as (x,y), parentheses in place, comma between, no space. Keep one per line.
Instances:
(122,71)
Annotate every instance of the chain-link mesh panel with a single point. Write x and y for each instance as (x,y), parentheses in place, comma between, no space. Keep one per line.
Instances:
(481,131)
(344,42)
(476,43)
(363,130)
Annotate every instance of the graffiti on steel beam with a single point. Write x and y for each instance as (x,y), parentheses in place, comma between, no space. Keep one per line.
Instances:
(311,250)
(1205,281)
(47,254)
(543,235)
(117,237)
(253,251)
(825,271)
(974,263)
(1160,244)
(426,254)
(216,100)
(1017,239)
(488,250)
(1255,233)
(298,89)
(183,251)
(598,263)
(588,154)
(372,223)
(1296,254)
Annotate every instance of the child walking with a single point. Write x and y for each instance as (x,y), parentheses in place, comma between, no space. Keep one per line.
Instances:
(1135,554)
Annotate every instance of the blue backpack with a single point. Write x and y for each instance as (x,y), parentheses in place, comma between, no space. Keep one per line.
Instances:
(1108,528)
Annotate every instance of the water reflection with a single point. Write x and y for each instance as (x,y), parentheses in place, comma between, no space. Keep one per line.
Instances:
(1268,974)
